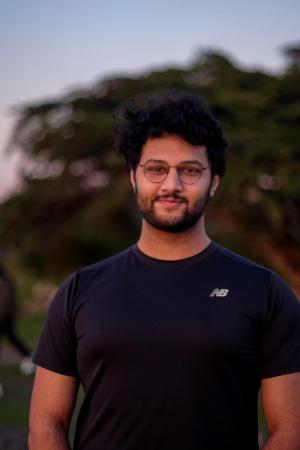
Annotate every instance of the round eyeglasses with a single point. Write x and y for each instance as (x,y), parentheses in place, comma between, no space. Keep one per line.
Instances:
(157,171)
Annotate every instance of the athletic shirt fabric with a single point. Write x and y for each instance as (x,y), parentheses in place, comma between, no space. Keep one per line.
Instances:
(171,353)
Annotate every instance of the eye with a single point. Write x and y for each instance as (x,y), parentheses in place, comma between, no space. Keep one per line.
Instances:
(193,171)
(156,169)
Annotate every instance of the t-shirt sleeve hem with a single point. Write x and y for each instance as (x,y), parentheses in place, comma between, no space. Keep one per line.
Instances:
(57,369)
(277,373)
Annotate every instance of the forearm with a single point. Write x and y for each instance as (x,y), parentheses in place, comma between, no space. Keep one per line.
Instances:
(48,437)
(283,439)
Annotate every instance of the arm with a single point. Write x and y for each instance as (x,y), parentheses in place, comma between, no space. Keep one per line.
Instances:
(52,403)
(281,403)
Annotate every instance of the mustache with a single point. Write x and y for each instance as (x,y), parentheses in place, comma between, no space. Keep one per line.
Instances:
(173,196)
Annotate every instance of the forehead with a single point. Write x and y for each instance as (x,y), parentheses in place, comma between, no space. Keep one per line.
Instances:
(172,149)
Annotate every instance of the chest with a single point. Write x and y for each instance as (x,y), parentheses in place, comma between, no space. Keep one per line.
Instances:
(166,319)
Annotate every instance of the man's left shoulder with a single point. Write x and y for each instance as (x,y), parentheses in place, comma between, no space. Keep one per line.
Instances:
(255,272)
(237,260)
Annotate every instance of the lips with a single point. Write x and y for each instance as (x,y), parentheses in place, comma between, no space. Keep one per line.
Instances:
(170,201)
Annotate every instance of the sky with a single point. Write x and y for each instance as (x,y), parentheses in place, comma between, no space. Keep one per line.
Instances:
(46,49)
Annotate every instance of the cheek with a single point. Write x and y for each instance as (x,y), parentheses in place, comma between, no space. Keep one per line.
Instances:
(145,188)
(195,195)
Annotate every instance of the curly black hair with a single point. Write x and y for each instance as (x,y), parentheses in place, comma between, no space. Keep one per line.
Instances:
(176,113)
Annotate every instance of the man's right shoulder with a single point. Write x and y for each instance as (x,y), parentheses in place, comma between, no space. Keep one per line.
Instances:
(105,263)
(93,273)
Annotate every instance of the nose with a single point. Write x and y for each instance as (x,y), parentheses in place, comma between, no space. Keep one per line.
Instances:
(172,183)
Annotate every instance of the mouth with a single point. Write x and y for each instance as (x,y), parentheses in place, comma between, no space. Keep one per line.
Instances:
(170,202)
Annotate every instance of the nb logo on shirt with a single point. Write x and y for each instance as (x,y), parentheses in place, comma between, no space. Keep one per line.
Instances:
(219,293)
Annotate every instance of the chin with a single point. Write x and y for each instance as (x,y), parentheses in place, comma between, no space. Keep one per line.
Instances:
(172,226)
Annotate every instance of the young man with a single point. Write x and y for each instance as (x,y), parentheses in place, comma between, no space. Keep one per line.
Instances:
(173,337)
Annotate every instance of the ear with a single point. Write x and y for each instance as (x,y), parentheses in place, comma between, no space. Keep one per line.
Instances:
(214,185)
(132,179)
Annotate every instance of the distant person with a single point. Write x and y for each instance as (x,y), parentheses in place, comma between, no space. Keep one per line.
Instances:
(7,321)
(173,337)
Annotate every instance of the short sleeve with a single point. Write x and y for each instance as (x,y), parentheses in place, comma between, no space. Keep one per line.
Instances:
(280,346)
(57,346)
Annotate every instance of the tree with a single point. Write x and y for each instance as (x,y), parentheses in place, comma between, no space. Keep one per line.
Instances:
(76,205)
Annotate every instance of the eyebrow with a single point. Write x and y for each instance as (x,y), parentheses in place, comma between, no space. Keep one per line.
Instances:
(193,161)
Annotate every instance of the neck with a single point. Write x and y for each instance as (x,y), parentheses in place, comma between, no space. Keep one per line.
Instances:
(172,246)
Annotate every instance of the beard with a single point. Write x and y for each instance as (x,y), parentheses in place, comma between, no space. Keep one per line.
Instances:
(188,218)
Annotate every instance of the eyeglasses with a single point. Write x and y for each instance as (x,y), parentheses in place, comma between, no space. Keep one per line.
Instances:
(157,171)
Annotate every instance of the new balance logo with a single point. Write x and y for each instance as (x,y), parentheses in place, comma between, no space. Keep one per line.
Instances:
(219,293)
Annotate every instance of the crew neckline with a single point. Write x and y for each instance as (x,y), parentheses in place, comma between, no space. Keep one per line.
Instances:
(177,262)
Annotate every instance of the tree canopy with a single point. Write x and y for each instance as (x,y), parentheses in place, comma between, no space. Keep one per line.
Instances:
(76,206)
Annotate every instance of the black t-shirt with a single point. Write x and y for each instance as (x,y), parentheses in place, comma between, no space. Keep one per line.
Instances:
(171,353)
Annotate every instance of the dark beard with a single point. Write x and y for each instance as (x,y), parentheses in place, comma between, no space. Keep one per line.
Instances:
(188,220)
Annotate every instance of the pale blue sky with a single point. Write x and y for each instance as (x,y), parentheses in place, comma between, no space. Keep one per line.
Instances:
(46,48)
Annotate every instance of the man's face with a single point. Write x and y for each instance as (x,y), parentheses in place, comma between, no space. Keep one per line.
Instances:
(172,205)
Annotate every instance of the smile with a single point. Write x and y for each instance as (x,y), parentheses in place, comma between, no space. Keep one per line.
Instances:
(170,202)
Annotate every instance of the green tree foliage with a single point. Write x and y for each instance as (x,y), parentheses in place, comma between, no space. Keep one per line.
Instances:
(76,205)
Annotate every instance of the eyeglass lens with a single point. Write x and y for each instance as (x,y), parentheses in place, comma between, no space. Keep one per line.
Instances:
(158,171)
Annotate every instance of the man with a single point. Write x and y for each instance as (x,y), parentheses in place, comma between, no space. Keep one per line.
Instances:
(173,337)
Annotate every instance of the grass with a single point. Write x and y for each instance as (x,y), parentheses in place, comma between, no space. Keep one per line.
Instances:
(17,387)
(29,327)
(15,402)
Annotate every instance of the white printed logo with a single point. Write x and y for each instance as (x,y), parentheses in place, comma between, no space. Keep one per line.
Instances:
(219,293)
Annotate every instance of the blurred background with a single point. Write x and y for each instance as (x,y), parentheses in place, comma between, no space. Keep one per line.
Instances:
(65,197)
